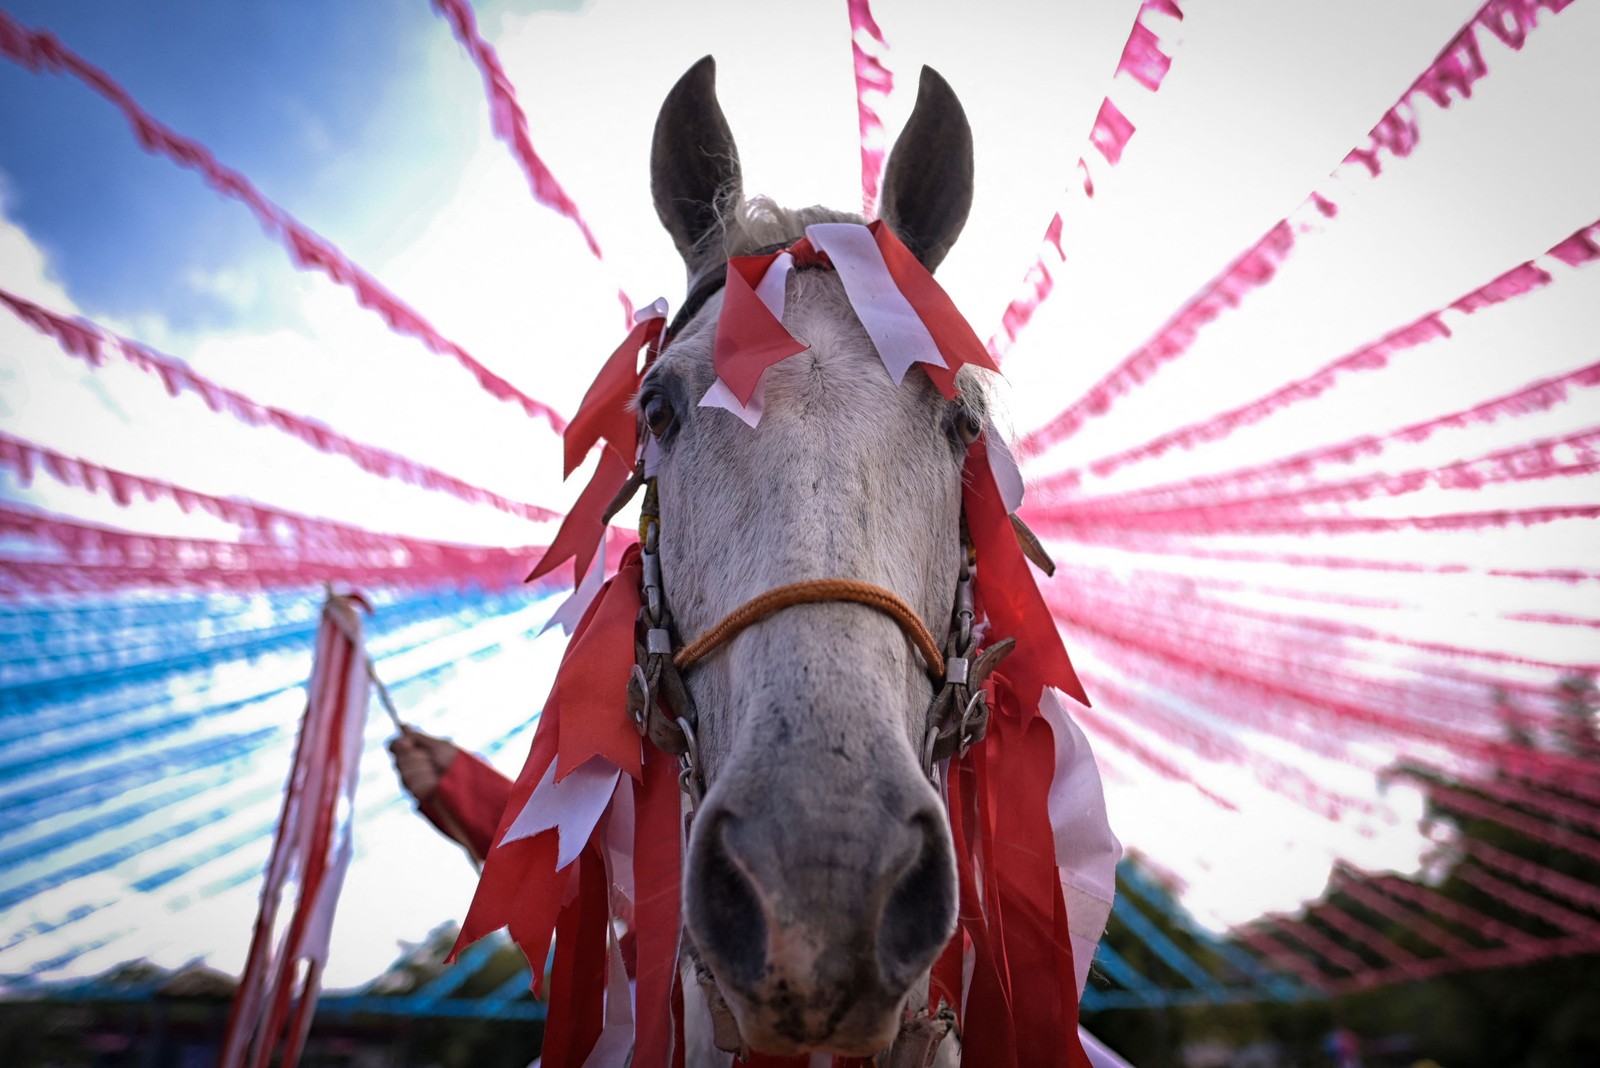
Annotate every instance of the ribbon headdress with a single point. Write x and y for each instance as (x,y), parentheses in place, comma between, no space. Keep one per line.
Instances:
(594,818)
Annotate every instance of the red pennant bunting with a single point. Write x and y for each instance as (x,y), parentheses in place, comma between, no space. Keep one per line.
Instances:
(749,337)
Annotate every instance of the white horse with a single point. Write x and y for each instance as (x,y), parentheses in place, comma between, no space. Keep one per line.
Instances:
(820,880)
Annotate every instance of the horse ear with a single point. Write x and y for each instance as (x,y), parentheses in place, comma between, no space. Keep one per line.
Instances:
(694,165)
(927,186)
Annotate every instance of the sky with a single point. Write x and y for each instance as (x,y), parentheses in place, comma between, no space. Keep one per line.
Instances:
(367,121)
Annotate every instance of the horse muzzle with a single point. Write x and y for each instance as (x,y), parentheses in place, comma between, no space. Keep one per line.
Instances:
(817,910)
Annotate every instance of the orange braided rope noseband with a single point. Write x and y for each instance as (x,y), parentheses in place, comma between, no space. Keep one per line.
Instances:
(810,591)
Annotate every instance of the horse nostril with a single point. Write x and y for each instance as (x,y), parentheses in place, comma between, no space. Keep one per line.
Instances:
(724,912)
(920,915)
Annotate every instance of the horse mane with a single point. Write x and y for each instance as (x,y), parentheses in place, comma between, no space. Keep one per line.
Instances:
(751,224)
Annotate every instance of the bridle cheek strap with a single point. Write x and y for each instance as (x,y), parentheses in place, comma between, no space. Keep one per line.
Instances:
(814,591)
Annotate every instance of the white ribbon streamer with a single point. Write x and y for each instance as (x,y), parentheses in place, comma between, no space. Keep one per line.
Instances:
(893,324)
(572,806)
(1086,849)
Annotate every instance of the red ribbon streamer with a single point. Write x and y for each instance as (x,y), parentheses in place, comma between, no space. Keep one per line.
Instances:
(40,51)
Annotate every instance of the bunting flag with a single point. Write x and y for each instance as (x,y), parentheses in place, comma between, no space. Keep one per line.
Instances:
(1145,60)
(277,995)
(92,344)
(1453,74)
(40,51)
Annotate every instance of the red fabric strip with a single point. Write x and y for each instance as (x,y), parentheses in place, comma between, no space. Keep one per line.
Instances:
(578,977)
(1008,593)
(605,413)
(989,1040)
(657,872)
(950,330)
(584,526)
(749,339)
(591,687)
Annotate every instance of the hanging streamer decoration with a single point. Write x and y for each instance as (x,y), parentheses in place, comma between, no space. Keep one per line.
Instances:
(277,995)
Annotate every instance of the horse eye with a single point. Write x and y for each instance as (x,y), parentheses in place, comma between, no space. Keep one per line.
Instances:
(658,414)
(967,425)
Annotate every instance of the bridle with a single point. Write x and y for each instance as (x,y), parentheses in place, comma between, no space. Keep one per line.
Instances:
(662,708)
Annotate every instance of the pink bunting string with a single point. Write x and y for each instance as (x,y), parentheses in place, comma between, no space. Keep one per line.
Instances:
(1354,885)
(260,523)
(1377,356)
(1436,714)
(1475,707)
(1541,396)
(874,83)
(1292,698)
(1541,830)
(1318,943)
(91,343)
(1057,523)
(101,559)
(1125,742)
(1535,874)
(1466,917)
(1569,456)
(1144,62)
(1456,70)
(1221,746)
(1540,908)
(1298,636)
(1368,938)
(1510,792)
(40,51)
(510,125)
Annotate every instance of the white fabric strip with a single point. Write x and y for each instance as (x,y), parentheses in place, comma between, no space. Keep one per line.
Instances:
(656,309)
(720,396)
(572,806)
(578,602)
(616,1037)
(892,323)
(1006,473)
(1086,850)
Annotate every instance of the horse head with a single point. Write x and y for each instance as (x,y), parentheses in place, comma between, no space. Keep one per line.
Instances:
(820,880)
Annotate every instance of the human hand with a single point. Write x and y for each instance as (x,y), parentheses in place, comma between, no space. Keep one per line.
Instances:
(421,760)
